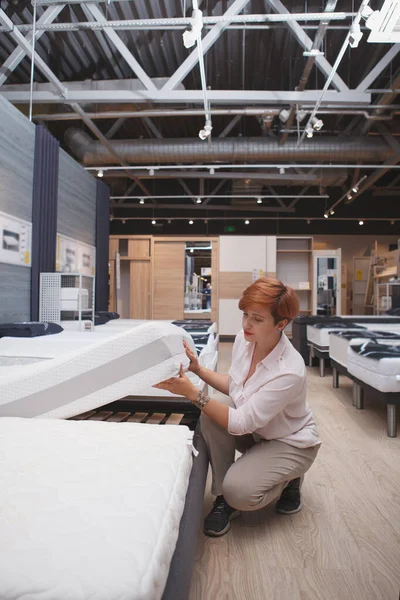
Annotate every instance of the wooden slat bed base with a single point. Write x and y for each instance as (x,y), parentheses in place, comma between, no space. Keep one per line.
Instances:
(118,417)
(156,418)
(174,419)
(101,416)
(138,417)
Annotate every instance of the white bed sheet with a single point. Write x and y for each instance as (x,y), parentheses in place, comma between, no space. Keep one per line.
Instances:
(383,374)
(94,375)
(89,510)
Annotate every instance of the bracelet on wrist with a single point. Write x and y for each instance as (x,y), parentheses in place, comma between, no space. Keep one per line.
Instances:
(202,400)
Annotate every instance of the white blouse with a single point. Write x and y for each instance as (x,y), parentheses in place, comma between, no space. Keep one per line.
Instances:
(272,403)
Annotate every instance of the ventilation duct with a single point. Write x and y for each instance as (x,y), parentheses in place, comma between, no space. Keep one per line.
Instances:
(189,151)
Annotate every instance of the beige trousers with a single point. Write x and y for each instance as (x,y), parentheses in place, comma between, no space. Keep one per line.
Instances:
(260,475)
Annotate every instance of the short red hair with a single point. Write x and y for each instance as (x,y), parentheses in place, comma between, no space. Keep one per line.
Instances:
(281,300)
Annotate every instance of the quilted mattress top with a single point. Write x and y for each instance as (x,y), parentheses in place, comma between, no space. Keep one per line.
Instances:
(89,510)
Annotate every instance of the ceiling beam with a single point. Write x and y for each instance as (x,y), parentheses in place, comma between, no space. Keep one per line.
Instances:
(102,138)
(122,48)
(42,94)
(379,67)
(201,208)
(230,126)
(19,53)
(208,41)
(114,128)
(324,66)
(39,62)
(319,36)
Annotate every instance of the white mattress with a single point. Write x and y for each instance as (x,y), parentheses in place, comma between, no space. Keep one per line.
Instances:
(114,367)
(383,374)
(88,509)
(320,337)
(339,346)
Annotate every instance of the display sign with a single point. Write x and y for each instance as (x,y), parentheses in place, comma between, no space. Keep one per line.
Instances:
(206,271)
(15,240)
(304,285)
(74,256)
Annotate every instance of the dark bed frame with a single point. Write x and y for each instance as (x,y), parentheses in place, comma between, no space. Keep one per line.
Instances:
(391,399)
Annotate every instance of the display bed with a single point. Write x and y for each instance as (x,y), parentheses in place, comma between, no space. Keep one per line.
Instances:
(100,510)
(319,335)
(340,342)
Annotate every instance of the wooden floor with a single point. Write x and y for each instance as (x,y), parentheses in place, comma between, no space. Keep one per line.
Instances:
(344,544)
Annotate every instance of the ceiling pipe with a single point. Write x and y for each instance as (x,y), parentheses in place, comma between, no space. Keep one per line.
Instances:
(183,151)
(250,112)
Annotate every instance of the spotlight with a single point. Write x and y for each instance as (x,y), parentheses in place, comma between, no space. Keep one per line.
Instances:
(354,189)
(198,201)
(308,221)
(206,132)
(247,181)
(284,115)
(332,212)
(259,201)
(153,222)
(169,221)
(326,215)
(317,123)
(309,132)
(349,196)
(111,217)
(190,222)
(372,18)
(392,222)
(190,35)
(247,222)
(205,221)
(301,115)
(355,35)
(282,170)
(361,222)
(151,172)
(192,250)
(141,201)
(123,221)
(100,173)
(212,171)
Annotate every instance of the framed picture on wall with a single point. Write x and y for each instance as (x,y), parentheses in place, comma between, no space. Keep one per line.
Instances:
(74,256)
(15,240)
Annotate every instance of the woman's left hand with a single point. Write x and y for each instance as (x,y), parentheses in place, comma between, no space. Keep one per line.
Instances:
(182,386)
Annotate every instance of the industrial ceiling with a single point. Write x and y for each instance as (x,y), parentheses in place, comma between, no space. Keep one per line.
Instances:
(246,116)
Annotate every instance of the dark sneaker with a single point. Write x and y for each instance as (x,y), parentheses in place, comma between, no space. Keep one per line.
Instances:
(218,520)
(290,500)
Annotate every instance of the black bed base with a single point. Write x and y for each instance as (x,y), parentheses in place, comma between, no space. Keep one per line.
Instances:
(321,354)
(391,399)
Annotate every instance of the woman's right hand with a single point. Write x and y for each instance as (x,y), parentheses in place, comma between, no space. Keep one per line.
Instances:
(194,366)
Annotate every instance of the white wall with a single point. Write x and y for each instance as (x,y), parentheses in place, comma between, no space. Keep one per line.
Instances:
(240,254)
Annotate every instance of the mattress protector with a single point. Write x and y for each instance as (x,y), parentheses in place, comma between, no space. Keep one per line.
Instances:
(89,509)
(110,369)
